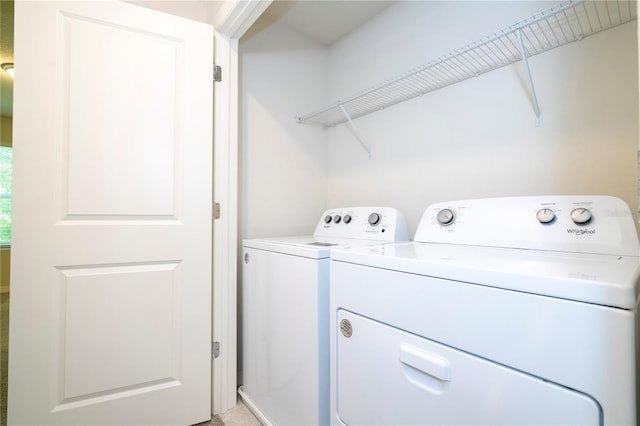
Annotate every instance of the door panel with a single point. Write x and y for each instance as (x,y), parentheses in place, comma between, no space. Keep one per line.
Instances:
(97,83)
(111,266)
(107,312)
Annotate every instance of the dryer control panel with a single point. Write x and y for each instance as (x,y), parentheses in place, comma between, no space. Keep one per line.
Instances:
(364,223)
(573,223)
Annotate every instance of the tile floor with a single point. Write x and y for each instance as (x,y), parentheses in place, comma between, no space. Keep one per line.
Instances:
(237,416)
(240,415)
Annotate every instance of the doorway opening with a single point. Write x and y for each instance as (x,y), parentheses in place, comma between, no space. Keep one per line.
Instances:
(6,144)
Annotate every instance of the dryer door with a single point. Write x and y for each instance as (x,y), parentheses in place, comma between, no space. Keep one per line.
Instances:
(388,376)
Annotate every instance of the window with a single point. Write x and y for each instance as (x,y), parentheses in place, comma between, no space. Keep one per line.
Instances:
(5,195)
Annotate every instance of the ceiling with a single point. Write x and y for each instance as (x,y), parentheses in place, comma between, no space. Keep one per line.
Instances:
(6,55)
(322,20)
(325,21)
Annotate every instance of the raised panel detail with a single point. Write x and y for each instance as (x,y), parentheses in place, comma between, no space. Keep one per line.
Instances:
(118,330)
(117,163)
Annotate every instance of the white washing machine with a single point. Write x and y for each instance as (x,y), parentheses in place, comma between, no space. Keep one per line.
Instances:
(501,312)
(285,319)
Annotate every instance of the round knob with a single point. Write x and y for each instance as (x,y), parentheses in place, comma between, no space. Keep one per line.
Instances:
(337,219)
(445,217)
(581,216)
(327,219)
(545,215)
(374,219)
(346,218)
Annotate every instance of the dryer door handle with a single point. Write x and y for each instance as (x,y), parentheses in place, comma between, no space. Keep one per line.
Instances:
(426,362)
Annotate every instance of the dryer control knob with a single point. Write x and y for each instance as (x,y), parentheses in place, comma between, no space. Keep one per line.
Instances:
(327,219)
(545,215)
(374,219)
(346,218)
(337,219)
(581,216)
(446,217)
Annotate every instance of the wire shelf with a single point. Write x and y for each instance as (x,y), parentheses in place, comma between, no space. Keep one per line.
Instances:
(566,22)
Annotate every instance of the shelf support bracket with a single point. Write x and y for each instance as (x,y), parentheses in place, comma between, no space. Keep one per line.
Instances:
(356,132)
(527,70)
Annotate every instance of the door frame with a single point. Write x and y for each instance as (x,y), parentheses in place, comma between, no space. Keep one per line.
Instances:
(231,20)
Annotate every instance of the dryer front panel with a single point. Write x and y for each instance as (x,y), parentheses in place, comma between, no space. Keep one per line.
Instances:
(388,376)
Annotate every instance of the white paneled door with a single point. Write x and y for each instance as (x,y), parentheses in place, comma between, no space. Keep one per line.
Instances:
(111,270)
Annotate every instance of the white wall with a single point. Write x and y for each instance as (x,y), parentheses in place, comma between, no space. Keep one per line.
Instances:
(477,138)
(283,165)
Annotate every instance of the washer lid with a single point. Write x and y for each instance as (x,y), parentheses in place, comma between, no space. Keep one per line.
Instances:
(609,280)
(305,246)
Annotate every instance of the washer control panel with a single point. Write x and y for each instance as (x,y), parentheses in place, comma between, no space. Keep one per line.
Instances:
(367,223)
(575,223)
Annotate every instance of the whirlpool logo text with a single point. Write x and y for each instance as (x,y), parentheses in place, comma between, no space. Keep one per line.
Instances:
(576,231)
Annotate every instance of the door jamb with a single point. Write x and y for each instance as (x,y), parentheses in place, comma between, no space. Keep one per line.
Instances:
(232,20)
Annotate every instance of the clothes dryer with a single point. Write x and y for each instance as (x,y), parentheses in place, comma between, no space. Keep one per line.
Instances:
(285,308)
(505,311)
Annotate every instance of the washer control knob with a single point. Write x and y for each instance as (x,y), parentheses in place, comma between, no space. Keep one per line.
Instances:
(446,217)
(545,215)
(337,219)
(327,219)
(346,218)
(374,219)
(581,216)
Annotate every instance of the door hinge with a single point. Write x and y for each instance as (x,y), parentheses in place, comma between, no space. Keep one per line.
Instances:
(217,73)
(216,211)
(215,350)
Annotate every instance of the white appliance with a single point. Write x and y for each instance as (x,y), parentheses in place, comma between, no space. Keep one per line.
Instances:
(502,311)
(285,313)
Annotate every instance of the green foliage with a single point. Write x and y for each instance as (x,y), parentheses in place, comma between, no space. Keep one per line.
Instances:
(5,194)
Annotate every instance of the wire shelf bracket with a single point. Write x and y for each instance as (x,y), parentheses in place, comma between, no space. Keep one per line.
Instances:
(527,70)
(357,133)
(568,21)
